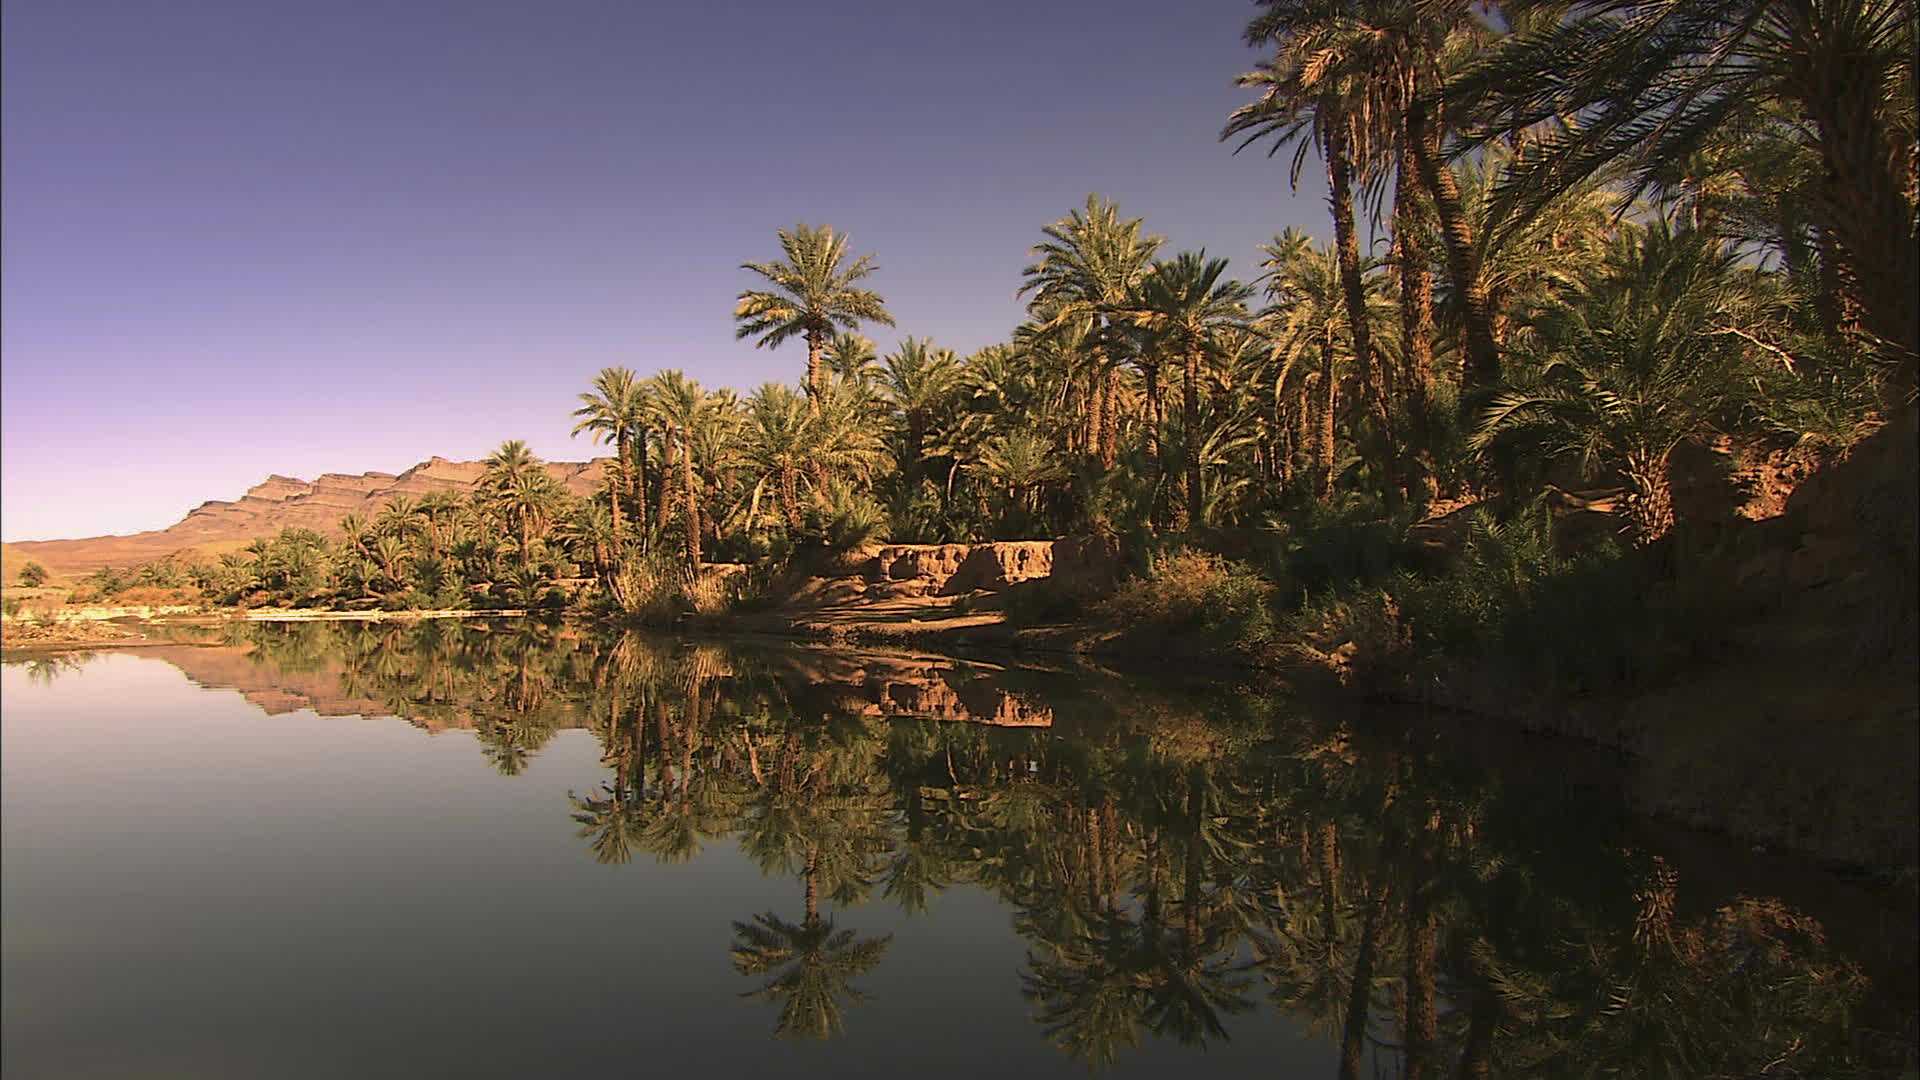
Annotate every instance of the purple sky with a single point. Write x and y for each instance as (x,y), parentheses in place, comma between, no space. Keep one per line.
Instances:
(246,236)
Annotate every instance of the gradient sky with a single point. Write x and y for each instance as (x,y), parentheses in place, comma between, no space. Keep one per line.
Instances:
(245,236)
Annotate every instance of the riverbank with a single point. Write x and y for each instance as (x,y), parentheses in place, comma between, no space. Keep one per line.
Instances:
(1758,741)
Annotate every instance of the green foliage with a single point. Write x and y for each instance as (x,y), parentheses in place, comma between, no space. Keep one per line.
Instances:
(1187,589)
(33,575)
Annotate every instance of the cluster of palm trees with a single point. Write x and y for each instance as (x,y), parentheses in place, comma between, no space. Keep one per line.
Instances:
(1171,861)
(1611,228)
(507,542)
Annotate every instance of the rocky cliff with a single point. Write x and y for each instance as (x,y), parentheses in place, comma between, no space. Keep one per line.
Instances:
(276,503)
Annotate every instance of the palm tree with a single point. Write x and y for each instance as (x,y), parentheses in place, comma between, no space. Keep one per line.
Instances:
(1375,67)
(809,967)
(1186,307)
(615,410)
(852,357)
(775,450)
(1306,102)
(1306,317)
(681,408)
(813,294)
(1650,83)
(1644,355)
(1081,275)
(525,492)
(918,377)
(1023,464)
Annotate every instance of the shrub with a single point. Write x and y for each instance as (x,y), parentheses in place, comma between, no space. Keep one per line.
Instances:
(1195,589)
(33,575)
(648,588)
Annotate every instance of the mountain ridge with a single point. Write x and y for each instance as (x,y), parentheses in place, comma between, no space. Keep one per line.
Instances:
(278,502)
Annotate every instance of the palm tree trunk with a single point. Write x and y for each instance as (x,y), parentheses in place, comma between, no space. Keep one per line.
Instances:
(1352,285)
(815,380)
(667,447)
(1096,405)
(1109,419)
(1864,205)
(693,501)
(1416,319)
(1650,510)
(1475,1059)
(1482,367)
(1323,426)
(1422,1020)
(812,887)
(1190,416)
(1353,1036)
(614,481)
(1150,372)
(639,482)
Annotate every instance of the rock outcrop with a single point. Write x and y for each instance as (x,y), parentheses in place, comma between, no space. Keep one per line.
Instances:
(281,502)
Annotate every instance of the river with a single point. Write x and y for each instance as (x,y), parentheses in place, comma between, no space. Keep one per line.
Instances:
(508,849)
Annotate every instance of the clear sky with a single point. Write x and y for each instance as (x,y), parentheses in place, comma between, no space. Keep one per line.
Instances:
(251,236)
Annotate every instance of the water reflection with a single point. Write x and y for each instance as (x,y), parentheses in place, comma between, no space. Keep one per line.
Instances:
(1172,858)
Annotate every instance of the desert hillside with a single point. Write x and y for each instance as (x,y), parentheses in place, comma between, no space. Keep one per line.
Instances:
(275,503)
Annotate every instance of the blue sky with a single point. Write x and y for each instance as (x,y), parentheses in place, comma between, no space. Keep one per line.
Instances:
(254,237)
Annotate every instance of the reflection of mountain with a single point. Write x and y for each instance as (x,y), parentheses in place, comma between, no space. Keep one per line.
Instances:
(863,685)
(264,684)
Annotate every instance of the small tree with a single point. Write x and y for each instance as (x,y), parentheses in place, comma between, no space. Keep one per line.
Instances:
(33,575)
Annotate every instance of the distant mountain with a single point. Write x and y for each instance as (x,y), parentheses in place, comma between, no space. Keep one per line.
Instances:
(276,503)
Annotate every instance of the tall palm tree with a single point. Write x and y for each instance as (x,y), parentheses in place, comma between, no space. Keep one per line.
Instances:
(1306,102)
(1081,275)
(1647,83)
(1306,317)
(615,410)
(1374,68)
(681,407)
(815,291)
(1186,308)
(524,491)
(918,377)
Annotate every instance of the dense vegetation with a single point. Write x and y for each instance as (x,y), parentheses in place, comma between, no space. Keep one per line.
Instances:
(1610,231)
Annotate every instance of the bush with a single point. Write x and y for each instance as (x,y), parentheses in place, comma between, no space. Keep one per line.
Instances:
(1195,589)
(649,588)
(33,575)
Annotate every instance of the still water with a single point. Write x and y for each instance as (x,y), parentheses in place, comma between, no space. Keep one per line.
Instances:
(336,850)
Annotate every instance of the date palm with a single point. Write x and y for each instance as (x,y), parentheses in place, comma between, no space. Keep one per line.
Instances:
(1358,79)
(809,968)
(1642,356)
(815,292)
(1306,102)
(853,358)
(1186,309)
(918,378)
(1647,83)
(523,491)
(681,408)
(1080,277)
(1023,465)
(1306,318)
(615,411)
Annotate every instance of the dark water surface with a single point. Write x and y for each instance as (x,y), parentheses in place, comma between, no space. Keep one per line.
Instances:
(340,850)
